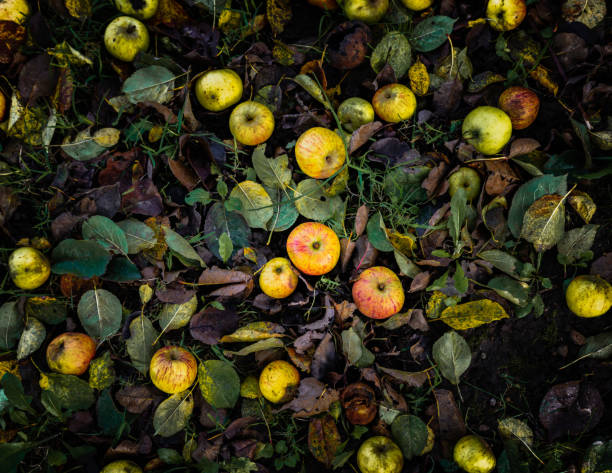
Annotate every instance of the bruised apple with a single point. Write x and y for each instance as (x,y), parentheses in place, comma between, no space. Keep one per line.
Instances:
(522,106)
(378,293)
(505,15)
(28,268)
(313,248)
(173,369)
(279,381)
(71,353)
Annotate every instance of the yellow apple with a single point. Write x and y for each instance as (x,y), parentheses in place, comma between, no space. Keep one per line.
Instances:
(122,466)
(417,5)
(487,129)
(218,89)
(141,9)
(368,11)
(378,293)
(589,296)
(474,455)
(394,103)
(380,455)
(28,268)
(71,353)
(355,112)
(173,369)
(278,279)
(125,37)
(16,11)
(505,15)
(251,123)
(320,152)
(522,106)
(467,178)
(313,248)
(279,381)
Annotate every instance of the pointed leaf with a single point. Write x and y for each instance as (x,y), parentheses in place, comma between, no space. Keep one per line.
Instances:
(219,221)
(452,354)
(83,258)
(472,314)
(219,383)
(106,232)
(31,339)
(410,434)
(100,313)
(272,172)
(140,344)
(173,414)
(11,325)
(544,222)
(256,205)
(181,247)
(139,236)
(175,316)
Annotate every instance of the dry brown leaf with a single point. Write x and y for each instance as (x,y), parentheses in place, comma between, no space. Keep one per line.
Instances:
(217,276)
(362,135)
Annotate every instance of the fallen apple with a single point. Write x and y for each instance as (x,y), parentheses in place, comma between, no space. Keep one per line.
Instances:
(141,9)
(417,5)
(70,353)
(505,15)
(474,455)
(278,279)
(380,455)
(16,11)
(368,11)
(121,466)
(355,112)
(173,369)
(28,268)
(218,89)
(487,129)
(394,103)
(378,293)
(466,178)
(251,123)
(125,37)
(320,152)
(589,296)
(522,106)
(279,381)
(313,248)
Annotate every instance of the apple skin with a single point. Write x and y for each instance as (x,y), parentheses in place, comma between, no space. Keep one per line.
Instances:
(324,4)
(378,293)
(16,11)
(505,15)
(28,268)
(394,103)
(313,248)
(474,455)
(278,279)
(522,106)
(380,455)
(355,112)
(71,353)
(320,152)
(368,11)
(417,5)
(218,89)
(251,123)
(125,37)
(467,178)
(279,381)
(487,129)
(141,9)
(173,369)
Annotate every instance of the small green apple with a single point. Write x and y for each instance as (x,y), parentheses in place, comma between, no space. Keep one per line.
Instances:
(355,112)
(465,178)
(380,455)
(125,37)
(368,11)
(487,129)
(141,9)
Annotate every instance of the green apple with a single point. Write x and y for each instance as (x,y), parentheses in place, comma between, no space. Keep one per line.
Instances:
(487,129)
(465,178)
(355,112)
(368,11)
(141,9)
(380,455)
(125,37)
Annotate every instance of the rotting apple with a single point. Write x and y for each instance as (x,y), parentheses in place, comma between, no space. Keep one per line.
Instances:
(487,129)
(466,178)
(380,454)
(378,293)
(474,455)
(141,9)
(505,15)
(278,279)
(320,152)
(28,268)
(394,103)
(251,123)
(324,4)
(173,369)
(125,37)
(368,11)
(521,104)
(355,112)
(71,353)
(417,5)
(313,248)
(589,295)
(218,89)
(279,381)
(16,11)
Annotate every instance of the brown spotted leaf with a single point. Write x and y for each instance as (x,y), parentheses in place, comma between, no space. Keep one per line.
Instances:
(279,14)
(323,439)
(544,222)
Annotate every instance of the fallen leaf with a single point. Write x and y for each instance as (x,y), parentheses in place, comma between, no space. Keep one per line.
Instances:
(472,314)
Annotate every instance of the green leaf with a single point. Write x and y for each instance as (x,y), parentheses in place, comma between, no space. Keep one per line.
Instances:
(106,232)
(11,325)
(140,344)
(354,349)
(508,264)
(439,283)
(511,289)
(198,196)
(31,339)
(544,222)
(377,233)
(431,33)
(175,316)
(83,258)
(598,346)
(583,135)
(256,204)
(109,418)
(403,184)
(173,414)
(312,202)
(150,84)
(213,6)
(461,281)
(267,344)
(219,383)
(406,266)
(72,392)
(13,390)
(528,193)
(100,313)
(12,454)
(285,212)
(410,434)
(458,215)
(181,247)
(393,49)
(170,456)
(272,172)
(219,221)
(139,236)
(121,269)
(226,247)
(83,148)
(452,354)
(576,242)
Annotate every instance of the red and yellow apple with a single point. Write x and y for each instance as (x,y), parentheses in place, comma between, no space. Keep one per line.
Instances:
(505,15)
(378,293)
(380,454)
(279,381)
(125,37)
(218,89)
(324,4)
(320,152)
(313,248)
(278,279)
(173,369)
(394,103)
(368,11)
(487,129)
(251,123)
(71,353)
(522,106)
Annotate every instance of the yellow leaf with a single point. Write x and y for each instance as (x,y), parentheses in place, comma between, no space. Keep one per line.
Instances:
(511,428)
(405,244)
(229,20)
(544,222)
(582,204)
(338,185)
(107,137)
(158,251)
(66,55)
(101,372)
(9,367)
(78,8)
(419,78)
(312,87)
(472,314)
(145,292)
(279,14)
(250,254)
(25,123)
(155,133)
(435,305)
(170,13)
(255,25)
(249,388)
(253,332)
